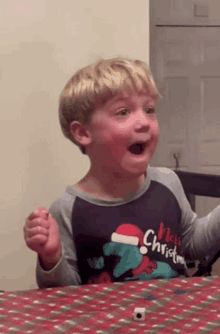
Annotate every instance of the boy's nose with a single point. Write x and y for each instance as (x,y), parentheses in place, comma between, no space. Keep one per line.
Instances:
(142,122)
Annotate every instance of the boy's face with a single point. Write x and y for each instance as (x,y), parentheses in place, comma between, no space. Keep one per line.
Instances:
(125,120)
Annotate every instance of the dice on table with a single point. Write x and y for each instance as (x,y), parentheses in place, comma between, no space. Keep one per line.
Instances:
(139,313)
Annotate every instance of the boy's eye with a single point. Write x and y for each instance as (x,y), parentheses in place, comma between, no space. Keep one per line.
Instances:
(123,112)
(150,110)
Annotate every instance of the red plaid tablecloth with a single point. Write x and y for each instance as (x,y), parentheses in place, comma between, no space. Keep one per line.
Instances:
(190,305)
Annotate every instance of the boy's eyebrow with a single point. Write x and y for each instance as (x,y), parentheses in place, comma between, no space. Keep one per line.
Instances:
(120,98)
(128,100)
(120,101)
(123,99)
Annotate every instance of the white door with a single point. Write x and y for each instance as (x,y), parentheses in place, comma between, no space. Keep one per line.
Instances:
(185,62)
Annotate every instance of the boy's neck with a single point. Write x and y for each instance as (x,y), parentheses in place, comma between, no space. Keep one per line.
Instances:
(110,186)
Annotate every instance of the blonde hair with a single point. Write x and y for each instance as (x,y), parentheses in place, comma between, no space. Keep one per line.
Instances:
(94,85)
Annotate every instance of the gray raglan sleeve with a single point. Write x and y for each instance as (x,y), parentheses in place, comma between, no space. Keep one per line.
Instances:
(200,236)
(66,271)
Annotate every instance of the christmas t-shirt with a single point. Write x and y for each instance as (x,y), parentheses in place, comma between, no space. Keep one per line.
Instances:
(140,237)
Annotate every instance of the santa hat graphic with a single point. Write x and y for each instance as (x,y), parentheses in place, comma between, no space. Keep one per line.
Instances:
(130,235)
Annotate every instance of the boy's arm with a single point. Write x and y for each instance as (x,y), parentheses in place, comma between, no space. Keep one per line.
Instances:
(200,236)
(203,238)
(65,272)
(62,274)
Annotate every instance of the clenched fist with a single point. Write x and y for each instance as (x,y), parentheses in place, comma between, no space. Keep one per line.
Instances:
(41,234)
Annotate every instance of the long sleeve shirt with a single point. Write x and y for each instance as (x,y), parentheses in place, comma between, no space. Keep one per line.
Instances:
(140,237)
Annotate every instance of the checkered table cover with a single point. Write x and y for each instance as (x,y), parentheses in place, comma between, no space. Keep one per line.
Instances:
(190,305)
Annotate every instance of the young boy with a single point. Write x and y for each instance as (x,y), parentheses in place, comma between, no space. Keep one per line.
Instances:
(124,220)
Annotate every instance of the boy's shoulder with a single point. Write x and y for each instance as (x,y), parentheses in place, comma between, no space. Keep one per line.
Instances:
(163,175)
(166,176)
(62,206)
(161,172)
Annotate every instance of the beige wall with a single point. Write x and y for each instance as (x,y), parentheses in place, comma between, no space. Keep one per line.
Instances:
(42,44)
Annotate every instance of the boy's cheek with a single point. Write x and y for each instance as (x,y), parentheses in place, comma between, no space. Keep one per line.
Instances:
(107,138)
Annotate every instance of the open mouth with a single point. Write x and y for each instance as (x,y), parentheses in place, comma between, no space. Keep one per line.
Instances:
(137,148)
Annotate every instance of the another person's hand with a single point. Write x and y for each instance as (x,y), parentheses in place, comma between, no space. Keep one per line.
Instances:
(41,234)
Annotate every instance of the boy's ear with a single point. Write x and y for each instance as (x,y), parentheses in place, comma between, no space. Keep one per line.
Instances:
(80,133)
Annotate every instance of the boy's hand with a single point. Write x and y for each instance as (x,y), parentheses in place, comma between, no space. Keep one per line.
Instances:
(41,234)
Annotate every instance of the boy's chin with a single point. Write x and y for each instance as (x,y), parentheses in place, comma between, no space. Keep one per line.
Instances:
(136,168)
(131,172)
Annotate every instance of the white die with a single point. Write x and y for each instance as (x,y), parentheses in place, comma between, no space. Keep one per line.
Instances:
(139,313)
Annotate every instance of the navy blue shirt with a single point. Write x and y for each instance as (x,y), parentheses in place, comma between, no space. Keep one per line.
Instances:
(140,237)
(112,243)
